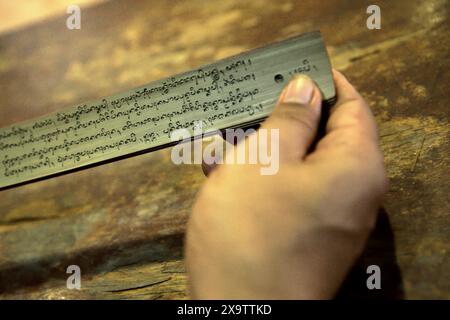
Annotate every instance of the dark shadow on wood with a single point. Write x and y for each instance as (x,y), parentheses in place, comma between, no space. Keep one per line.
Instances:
(380,251)
(19,276)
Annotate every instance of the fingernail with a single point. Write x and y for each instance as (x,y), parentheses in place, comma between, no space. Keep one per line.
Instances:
(300,90)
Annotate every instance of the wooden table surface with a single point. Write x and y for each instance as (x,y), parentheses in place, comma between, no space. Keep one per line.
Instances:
(123,223)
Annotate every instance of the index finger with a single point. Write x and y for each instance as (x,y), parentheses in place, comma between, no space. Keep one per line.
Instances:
(351,123)
(351,111)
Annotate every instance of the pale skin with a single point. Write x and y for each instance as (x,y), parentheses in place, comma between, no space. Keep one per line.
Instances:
(296,234)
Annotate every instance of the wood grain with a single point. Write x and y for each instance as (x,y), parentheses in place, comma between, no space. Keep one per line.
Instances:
(123,223)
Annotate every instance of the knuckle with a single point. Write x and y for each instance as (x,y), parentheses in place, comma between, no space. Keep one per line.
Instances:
(298,115)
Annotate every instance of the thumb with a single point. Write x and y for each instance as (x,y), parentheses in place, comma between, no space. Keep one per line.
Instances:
(296,116)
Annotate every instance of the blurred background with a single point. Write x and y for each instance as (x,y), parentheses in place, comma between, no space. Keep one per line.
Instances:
(20,14)
(123,223)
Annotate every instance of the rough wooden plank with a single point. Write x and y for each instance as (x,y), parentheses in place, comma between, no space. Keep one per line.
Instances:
(124,222)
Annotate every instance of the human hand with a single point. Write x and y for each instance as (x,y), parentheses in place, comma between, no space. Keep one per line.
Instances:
(296,234)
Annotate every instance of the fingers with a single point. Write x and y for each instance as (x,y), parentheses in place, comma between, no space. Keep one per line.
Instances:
(231,140)
(211,160)
(350,111)
(207,168)
(296,116)
(351,125)
(351,136)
